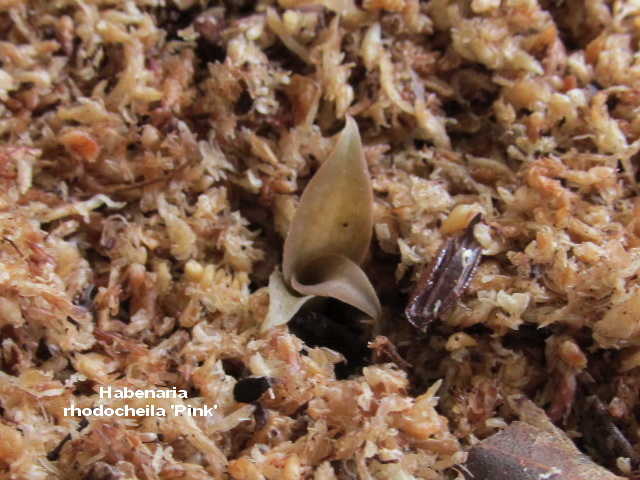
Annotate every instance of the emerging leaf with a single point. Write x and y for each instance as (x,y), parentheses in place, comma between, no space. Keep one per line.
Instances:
(335,213)
(338,277)
(331,230)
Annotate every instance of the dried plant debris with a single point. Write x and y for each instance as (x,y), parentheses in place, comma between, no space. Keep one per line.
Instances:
(180,210)
(524,452)
(385,351)
(445,280)
(55,453)
(602,437)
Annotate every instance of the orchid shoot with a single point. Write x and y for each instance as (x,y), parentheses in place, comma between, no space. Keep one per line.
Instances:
(329,237)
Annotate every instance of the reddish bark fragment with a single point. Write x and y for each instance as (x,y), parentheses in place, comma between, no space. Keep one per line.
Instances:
(524,452)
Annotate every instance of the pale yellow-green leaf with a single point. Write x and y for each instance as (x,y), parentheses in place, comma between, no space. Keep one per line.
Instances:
(335,213)
(332,227)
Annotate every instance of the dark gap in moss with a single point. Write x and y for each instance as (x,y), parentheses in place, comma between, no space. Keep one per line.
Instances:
(280,55)
(335,328)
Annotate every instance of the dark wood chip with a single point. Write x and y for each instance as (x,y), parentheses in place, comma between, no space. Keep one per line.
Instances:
(524,452)
(601,435)
(250,389)
(446,279)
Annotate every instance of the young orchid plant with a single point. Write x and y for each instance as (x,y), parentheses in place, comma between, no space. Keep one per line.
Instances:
(329,237)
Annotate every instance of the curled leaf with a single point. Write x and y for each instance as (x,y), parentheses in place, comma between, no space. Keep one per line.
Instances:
(331,230)
(338,277)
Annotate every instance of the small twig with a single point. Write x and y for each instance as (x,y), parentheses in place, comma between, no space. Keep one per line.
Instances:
(54,454)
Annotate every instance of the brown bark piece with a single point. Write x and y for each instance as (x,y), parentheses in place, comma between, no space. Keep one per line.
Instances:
(602,434)
(445,280)
(524,452)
